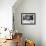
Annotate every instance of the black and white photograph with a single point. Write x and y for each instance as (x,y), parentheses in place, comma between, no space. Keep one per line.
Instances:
(28,18)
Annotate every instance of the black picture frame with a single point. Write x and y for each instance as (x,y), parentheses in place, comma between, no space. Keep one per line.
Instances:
(28,18)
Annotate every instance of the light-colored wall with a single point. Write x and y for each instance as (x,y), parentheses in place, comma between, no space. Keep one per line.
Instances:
(43,22)
(6,13)
(6,16)
(30,31)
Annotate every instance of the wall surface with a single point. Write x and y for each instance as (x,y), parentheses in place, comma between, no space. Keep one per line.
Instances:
(6,13)
(32,32)
(6,16)
(43,22)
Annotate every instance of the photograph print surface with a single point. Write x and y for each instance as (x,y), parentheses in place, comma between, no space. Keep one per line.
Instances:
(28,18)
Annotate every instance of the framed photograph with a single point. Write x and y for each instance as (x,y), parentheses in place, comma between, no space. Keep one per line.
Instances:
(28,18)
